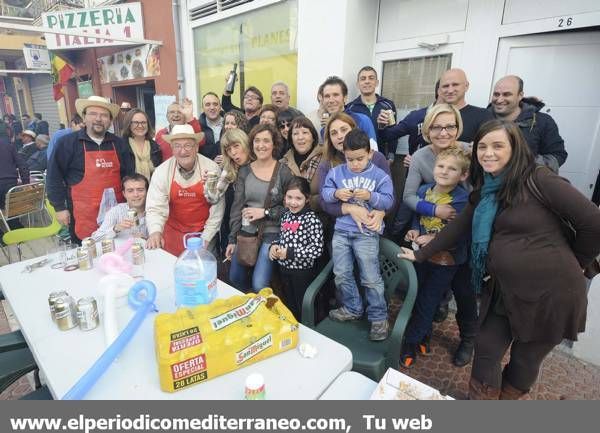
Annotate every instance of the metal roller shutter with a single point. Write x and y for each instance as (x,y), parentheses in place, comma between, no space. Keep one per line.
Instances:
(43,100)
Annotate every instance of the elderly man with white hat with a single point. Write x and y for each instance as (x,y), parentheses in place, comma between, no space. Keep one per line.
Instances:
(176,204)
(84,164)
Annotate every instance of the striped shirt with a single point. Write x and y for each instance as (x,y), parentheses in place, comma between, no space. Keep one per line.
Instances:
(114,216)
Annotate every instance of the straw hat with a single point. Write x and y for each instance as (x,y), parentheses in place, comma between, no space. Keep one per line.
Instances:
(29,132)
(95,101)
(183,131)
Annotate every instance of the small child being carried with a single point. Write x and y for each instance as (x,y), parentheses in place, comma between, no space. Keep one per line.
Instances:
(358,181)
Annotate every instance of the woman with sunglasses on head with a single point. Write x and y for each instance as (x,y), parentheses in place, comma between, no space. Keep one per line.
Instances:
(145,153)
(533,290)
(257,208)
(284,122)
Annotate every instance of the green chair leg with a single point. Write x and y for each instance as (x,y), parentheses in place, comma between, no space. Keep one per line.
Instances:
(42,393)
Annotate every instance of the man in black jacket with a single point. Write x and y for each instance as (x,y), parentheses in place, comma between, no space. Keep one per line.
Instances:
(211,121)
(539,129)
(83,165)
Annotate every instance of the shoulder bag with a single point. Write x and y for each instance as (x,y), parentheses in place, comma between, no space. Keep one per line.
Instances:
(247,244)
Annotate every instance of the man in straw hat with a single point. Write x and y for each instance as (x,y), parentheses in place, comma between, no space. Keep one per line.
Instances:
(176,204)
(83,165)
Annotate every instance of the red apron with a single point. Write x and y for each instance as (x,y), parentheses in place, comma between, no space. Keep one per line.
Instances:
(188,212)
(101,170)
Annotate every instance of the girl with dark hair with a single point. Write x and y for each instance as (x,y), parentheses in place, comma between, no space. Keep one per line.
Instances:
(534,294)
(299,245)
(304,157)
(144,152)
(257,207)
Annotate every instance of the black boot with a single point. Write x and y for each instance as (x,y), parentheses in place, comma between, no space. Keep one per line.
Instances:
(464,353)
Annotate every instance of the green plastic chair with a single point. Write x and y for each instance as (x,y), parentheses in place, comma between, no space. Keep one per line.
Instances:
(13,365)
(370,358)
(19,236)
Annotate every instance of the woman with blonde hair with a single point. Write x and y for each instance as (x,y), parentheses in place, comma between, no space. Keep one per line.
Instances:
(441,128)
(236,153)
(144,152)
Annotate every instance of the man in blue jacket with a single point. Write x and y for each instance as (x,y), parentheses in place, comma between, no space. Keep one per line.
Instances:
(335,95)
(539,129)
(371,104)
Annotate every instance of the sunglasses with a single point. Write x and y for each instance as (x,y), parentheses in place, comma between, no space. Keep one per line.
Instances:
(284,124)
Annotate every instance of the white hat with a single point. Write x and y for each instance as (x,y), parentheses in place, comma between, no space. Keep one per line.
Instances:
(29,132)
(183,131)
(95,101)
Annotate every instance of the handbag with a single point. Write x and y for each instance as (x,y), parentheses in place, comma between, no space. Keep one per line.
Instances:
(249,244)
(591,270)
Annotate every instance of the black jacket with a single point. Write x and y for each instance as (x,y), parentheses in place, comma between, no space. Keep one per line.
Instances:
(212,146)
(358,106)
(541,133)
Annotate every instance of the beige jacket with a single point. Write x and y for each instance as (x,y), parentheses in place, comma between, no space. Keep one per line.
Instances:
(157,201)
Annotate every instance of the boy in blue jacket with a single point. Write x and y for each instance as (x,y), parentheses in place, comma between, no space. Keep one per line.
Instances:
(435,276)
(360,182)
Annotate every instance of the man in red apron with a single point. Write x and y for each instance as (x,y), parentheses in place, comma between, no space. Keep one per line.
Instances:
(83,165)
(175,204)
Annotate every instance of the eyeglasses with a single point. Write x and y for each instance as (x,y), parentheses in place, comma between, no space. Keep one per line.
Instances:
(436,129)
(139,123)
(250,97)
(186,146)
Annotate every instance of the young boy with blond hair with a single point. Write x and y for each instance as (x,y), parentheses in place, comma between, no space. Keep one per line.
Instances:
(435,276)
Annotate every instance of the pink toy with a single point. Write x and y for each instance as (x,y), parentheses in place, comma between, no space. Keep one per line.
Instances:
(112,263)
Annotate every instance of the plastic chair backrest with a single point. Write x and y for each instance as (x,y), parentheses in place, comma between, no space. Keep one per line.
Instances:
(393,270)
(22,200)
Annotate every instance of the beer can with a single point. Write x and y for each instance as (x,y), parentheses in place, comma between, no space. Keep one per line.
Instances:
(212,178)
(84,259)
(87,313)
(255,387)
(108,245)
(65,312)
(90,244)
(392,118)
(52,297)
(137,254)
(133,216)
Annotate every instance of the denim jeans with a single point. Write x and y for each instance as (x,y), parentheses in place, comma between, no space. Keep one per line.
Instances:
(434,282)
(261,275)
(348,246)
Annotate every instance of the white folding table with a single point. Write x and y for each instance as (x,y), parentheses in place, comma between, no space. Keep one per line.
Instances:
(64,356)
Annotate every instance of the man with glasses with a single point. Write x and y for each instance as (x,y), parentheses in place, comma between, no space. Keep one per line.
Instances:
(253,100)
(176,204)
(177,114)
(83,165)
(211,120)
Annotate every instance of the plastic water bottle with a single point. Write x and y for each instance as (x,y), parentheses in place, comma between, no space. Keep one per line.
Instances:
(195,275)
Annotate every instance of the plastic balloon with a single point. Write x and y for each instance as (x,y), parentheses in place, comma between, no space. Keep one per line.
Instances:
(112,263)
(141,297)
(115,288)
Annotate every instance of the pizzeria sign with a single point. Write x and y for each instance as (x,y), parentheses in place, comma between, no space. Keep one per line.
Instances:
(123,21)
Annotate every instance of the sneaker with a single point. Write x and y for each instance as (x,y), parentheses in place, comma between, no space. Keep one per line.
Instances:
(342,315)
(379,330)
(441,313)
(408,355)
(424,346)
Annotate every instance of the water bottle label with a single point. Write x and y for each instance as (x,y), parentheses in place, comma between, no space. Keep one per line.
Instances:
(190,291)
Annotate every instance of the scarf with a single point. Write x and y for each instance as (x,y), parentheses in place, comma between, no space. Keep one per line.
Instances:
(483,220)
(143,163)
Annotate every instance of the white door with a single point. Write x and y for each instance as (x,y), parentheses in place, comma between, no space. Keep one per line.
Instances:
(562,69)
